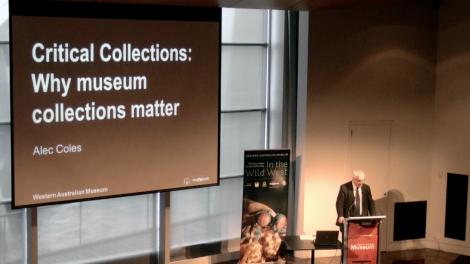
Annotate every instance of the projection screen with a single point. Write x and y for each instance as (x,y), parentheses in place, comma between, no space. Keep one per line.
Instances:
(112,100)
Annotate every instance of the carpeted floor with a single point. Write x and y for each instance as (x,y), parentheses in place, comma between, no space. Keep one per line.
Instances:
(418,256)
(462,260)
(411,261)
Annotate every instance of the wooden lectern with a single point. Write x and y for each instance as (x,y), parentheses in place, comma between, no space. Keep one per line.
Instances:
(361,240)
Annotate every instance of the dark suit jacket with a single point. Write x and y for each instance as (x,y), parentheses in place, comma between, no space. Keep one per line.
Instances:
(345,201)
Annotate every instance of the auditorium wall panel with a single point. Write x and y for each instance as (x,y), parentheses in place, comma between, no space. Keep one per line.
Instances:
(370,65)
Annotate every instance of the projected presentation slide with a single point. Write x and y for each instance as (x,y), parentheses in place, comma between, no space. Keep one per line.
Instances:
(106,107)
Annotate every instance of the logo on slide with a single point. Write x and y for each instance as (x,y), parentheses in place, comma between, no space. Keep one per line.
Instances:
(187,181)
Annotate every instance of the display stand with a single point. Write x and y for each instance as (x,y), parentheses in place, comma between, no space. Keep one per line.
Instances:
(361,240)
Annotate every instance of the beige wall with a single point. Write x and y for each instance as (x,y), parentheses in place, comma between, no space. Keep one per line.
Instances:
(368,64)
(452,119)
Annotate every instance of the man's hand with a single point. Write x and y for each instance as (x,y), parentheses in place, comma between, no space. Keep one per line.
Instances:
(340,219)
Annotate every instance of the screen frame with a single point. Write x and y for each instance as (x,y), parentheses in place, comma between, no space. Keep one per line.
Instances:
(49,8)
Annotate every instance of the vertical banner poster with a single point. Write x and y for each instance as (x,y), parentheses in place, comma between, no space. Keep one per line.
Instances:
(362,243)
(265,198)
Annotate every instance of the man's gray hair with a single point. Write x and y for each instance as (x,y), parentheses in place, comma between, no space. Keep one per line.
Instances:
(359,174)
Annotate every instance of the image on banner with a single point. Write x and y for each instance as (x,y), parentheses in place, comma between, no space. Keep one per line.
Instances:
(265,200)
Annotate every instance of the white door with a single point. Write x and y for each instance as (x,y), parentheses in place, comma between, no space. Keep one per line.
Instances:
(369,150)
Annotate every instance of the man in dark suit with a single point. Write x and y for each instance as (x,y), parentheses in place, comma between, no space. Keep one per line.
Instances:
(354,198)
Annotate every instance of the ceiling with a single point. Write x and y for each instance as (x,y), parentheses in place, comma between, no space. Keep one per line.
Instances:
(270,4)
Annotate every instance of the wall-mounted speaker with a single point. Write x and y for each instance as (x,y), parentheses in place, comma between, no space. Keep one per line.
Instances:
(456,206)
(410,220)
